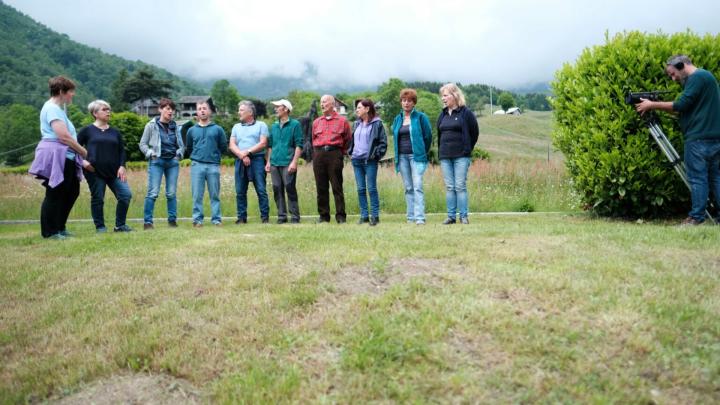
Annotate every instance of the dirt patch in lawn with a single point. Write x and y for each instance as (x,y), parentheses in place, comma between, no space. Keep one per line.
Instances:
(135,389)
(378,277)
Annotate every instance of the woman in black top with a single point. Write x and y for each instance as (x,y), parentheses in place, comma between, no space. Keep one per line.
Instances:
(106,154)
(457,135)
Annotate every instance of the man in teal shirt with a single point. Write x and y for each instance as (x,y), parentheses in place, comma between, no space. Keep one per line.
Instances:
(285,146)
(699,110)
(206,142)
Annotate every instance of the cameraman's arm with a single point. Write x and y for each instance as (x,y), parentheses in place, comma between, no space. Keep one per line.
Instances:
(646,105)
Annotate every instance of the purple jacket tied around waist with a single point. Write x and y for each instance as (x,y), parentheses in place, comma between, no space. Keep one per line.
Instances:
(49,162)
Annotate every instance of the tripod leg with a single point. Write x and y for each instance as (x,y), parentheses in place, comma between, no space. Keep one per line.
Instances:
(671,154)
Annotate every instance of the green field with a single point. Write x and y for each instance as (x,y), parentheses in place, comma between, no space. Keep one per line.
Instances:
(524,137)
(509,309)
(520,308)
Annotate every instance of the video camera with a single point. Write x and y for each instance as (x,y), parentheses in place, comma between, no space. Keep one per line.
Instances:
(634,97)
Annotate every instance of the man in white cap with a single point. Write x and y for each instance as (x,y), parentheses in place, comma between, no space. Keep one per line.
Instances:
(285,145)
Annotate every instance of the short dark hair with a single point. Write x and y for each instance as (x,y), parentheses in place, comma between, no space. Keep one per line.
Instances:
(165,102)
(366,102)
(409,94)
(60,84)
(678,59)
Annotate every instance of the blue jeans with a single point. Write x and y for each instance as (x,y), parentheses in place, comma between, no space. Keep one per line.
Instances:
(156,169)
(412,176)
(702,164)
(243,176)
(119,188)
(455,175)
(366,180)
(201,173)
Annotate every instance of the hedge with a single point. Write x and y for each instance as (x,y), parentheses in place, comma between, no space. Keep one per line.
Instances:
(614,164)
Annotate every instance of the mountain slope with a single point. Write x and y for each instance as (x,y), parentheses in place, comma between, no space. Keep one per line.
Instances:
(30,53)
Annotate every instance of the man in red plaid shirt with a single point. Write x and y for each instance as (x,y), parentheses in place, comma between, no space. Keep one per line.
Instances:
(331,136)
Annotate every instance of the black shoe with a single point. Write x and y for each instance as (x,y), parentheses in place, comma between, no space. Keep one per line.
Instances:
(265,220)
(172,224)
(281,221)
(374,221)
(363,221)
(341,220)
(294,221)
(122,228)
(241,221)
(148,226)
(448,221)
(322,220)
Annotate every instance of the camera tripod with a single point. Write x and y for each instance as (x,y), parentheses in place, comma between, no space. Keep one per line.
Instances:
(653,124)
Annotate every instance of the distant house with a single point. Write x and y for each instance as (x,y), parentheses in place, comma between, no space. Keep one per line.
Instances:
(513,111)
(340,107)
(499,112)
(148,108)
(186,106)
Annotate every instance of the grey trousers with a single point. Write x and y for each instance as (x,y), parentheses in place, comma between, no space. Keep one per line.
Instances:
(282,182)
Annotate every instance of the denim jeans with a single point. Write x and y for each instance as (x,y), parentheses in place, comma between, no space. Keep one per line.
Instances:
(455,175)
(412,176)
(201,173)
(366,180)
(119,188)
(702,164)
(156,169)
(243,176)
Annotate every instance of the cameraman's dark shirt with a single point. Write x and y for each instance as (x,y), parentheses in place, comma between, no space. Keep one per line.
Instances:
(699,107)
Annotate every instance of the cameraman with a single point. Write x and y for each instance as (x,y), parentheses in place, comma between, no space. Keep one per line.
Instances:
(699,110)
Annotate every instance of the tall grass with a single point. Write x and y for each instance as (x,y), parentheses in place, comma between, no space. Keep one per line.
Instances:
(505,185)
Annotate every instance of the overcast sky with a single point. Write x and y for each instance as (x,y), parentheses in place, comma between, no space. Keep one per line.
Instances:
(503,43)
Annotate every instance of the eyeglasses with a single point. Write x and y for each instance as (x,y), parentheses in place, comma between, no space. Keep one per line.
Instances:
(105,109)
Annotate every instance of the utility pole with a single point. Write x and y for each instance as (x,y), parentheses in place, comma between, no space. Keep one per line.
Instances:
(490,99)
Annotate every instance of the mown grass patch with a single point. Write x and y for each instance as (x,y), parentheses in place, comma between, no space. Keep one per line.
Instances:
(550,308)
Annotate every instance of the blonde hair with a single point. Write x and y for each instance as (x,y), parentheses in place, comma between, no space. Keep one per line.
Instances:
(96,105)
(454,91)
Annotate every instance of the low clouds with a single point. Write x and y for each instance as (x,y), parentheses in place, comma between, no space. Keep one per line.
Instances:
(504,43)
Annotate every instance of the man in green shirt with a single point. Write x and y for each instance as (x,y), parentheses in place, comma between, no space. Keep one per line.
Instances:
(285,145)
(699,110)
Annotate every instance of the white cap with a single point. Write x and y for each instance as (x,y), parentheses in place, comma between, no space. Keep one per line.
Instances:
(283,102)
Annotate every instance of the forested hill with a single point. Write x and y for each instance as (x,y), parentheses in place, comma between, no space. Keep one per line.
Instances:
(30,53)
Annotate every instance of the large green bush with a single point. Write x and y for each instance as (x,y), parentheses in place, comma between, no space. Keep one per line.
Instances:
(131,126)
(616,167)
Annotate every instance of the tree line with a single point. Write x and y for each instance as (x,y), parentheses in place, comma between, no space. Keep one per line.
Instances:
(19,124)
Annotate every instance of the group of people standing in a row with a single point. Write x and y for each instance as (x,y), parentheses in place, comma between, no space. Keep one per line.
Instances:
(63,156)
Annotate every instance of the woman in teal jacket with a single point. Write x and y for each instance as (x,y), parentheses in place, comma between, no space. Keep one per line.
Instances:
(412,138)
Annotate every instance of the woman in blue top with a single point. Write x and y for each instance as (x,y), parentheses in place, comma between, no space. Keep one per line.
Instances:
(367,147)
(58,160)
(457,135)
(413,138)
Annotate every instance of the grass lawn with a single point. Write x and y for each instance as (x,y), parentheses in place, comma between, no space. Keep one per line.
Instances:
(552,308)
(535,308)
